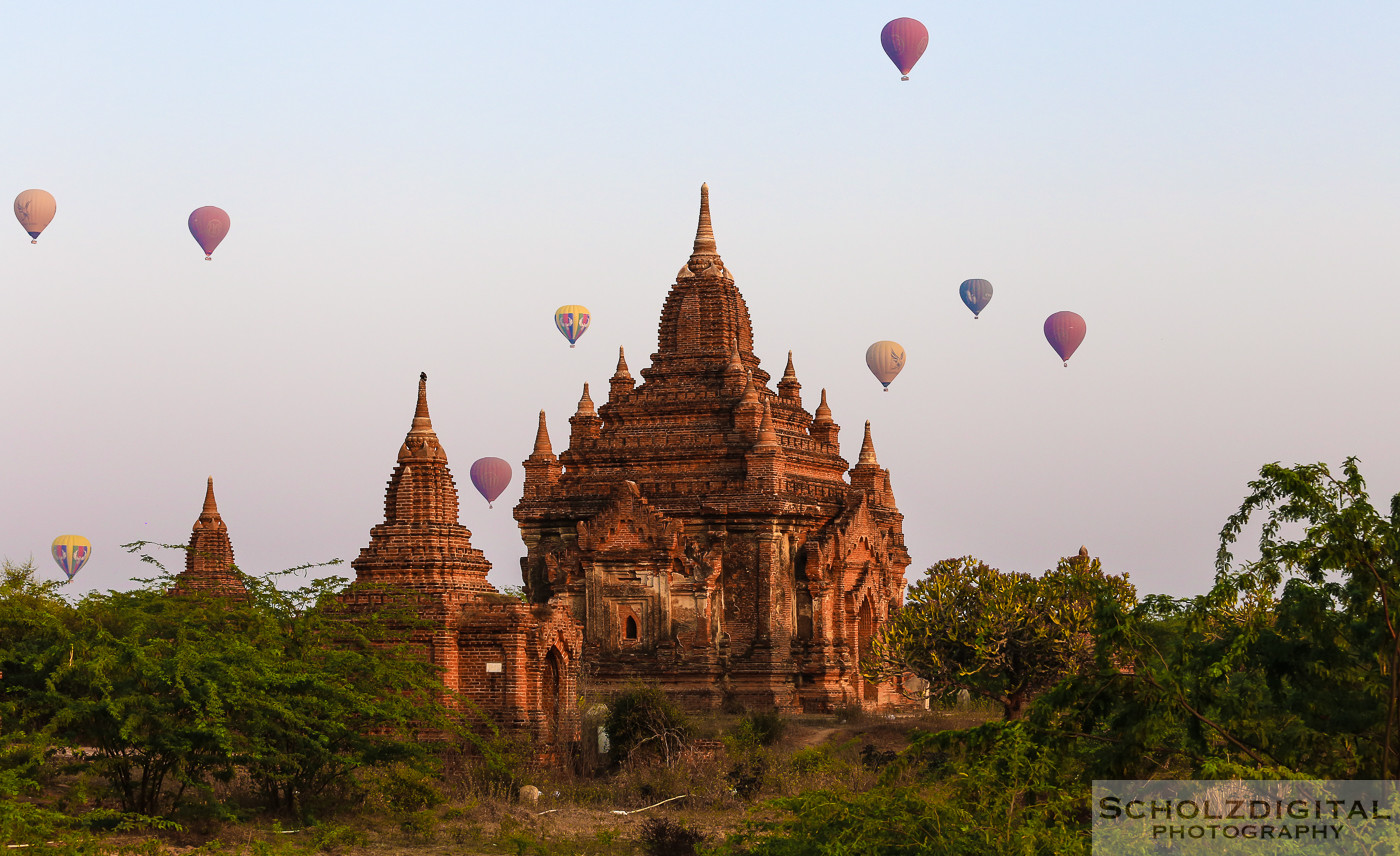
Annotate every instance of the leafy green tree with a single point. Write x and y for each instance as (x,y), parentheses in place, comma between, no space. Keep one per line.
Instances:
(171,693)
(1000,636)
(1322,608)
(1286,668)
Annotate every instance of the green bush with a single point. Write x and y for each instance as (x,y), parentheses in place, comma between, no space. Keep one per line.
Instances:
(644,719)
(662,836)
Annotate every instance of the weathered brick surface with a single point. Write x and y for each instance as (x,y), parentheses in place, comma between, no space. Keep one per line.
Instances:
(700,527)
(518,662)
(209,557)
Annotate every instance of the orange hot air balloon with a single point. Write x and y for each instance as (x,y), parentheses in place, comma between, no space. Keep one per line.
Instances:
(885,360)
(34,209)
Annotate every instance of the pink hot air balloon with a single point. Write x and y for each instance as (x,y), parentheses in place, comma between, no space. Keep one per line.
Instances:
(490,476)
(1064,331)
(209,225)
(904,40)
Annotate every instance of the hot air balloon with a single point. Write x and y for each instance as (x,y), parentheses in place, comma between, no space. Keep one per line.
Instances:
(904,40)
(490,476)
(1064,331)
(209,225)
(976,293)
(35,209)
(71,552)
(886,360)
(572,321)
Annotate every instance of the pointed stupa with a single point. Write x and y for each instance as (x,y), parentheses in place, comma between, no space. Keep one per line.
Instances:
(585,423)
(704,232)
(788,387)
(421,546)
(735,366)
(542,468)
(621,382)
(542,447)
(867,449)
(824,429)
(422,442)
(209,556)
(585,403)
(767,437)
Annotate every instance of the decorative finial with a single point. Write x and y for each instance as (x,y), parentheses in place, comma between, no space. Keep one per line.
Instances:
(210,508)
(1083,552)
(542,446)
(704,232)
(867,449)
(789,372)
(736,362)
(585,404)
(750,393)
(421,422)
(823,412)
(622,371)
(767,437)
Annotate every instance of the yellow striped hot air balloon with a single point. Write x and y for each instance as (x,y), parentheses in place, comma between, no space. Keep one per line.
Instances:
(572,321)
(71,552)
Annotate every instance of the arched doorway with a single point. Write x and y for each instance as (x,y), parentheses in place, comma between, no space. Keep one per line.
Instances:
(550,694)
(865,629)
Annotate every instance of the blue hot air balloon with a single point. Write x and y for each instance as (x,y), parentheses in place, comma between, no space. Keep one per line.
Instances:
(976,293)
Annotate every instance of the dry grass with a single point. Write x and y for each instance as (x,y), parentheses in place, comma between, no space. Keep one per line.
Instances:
(458,814)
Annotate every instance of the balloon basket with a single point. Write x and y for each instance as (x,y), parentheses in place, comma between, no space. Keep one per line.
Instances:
(209,258)
(33,240)
(571,345)
(905,77)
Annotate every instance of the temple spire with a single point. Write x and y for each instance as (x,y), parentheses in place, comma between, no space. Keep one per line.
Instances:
(621,382)
(542,446)
(422,423)
(788,387)
(867,449)
(823,414)
(422,442)
(585,403)
(704,232)
(767,437)
(211,509)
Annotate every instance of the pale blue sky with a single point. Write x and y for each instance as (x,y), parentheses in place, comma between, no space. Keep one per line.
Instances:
(1214,187)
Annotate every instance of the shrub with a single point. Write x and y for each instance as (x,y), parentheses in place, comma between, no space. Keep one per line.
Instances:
(643,718)
(664,837)
(767,726)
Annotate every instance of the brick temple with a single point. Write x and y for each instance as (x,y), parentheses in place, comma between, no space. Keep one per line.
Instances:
(517,662)
(209,567)
(700,527)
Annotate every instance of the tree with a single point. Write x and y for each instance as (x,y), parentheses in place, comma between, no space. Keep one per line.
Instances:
(1320,614)
(1001,636)
(169,693)
(1286,668)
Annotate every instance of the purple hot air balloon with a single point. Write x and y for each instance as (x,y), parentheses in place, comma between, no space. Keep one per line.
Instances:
(490,476)
(1064,331)
(904,40)
(209,225)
